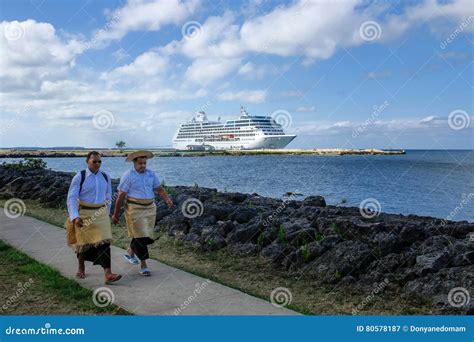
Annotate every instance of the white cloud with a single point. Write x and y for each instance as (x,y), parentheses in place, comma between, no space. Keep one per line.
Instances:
(308,28)
(251,96)
(312,29)
(121,54)
(247,69)
(217,38)
(432,120)
(150,63)
(205,71)
(303,109)
(459,12)
(62,88)
(35,54)
(38,60)
(142,15)
(251,71)
(318,29)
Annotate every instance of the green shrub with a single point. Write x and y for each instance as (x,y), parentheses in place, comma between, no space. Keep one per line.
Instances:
(306,253)
(28,163)
(171,191)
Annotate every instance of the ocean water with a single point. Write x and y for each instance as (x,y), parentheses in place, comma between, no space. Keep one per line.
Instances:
(431,183)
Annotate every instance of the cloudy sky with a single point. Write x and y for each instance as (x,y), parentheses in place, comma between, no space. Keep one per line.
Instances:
(338,73)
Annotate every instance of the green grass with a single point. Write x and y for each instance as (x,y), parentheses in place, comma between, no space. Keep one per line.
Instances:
(30,287)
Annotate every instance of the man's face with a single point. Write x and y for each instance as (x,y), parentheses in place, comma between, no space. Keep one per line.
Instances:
(140,164)
(94,163)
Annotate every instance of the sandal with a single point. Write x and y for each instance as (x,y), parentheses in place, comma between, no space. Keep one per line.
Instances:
(112,278)
(145,272)
(80,275)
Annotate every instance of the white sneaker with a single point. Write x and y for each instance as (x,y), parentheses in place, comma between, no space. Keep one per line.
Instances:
(133,260)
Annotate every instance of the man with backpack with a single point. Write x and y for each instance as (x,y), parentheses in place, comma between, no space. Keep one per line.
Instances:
(137,189)
(88,225)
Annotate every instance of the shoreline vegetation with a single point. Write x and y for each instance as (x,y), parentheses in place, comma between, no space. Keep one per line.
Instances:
(59,153)
(332,259)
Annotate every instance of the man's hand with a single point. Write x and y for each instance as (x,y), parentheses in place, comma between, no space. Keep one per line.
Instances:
(78,222)
(169,202)
(115,219)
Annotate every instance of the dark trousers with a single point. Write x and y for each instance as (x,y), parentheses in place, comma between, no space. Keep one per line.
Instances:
(140,248)
(99,255)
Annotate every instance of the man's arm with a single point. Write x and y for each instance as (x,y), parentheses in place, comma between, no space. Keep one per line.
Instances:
(72,197)
(108,194)
(164,195)
(123,189)
(118,206)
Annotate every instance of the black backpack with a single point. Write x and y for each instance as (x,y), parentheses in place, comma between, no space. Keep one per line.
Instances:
(83,178)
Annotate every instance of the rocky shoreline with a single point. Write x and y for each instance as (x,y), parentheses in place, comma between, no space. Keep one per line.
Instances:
(179,153)
(419,257)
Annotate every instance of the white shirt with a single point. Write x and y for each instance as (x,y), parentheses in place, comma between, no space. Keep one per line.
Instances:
(95,189)
(139,185)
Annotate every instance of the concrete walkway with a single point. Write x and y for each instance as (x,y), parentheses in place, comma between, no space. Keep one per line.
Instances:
(167,290)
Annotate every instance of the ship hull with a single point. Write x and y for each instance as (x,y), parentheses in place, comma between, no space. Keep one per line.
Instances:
(262,142)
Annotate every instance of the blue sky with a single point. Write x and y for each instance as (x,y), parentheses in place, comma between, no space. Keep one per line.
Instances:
(352,74)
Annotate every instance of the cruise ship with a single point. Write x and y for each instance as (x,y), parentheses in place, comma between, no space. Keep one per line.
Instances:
(247,133)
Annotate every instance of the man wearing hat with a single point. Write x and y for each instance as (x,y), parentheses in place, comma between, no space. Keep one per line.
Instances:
(138,187)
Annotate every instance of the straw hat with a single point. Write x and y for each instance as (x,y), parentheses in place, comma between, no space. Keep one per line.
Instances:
(139,154)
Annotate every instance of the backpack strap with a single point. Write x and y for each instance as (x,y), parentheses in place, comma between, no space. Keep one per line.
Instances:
(83,178)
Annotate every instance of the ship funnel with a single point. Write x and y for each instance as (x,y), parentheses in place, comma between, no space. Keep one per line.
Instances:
(201,116)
